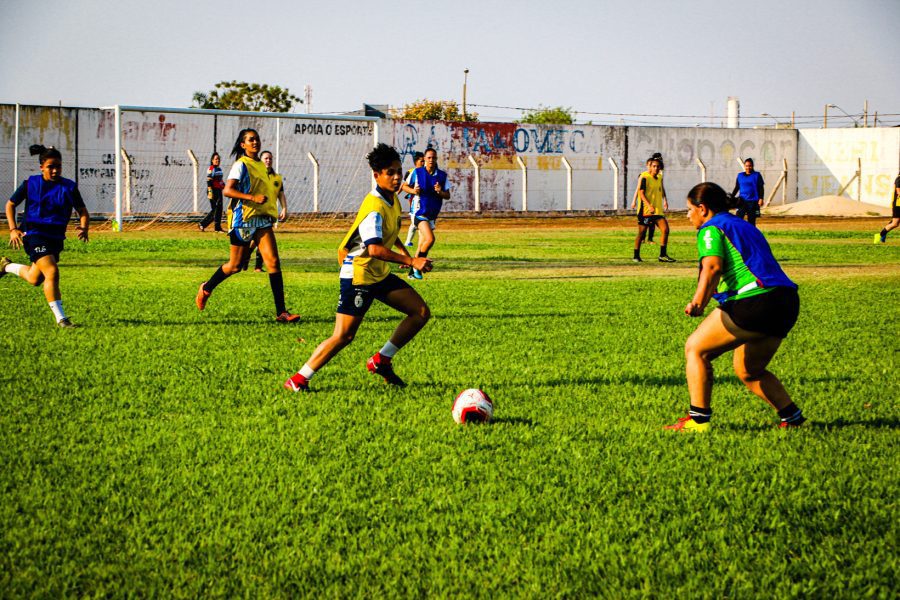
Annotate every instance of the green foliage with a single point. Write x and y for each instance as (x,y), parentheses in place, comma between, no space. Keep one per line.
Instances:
(239,95)
(435,110)
(550,115)
(153,452)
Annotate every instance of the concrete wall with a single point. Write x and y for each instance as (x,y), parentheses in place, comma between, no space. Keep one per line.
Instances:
(828,160)
(721,150)
(819,161)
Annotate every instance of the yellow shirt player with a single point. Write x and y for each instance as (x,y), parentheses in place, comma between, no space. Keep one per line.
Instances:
(653,203)
(881,237)
(365,254)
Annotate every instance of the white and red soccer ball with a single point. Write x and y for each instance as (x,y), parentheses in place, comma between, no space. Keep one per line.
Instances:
(472,406)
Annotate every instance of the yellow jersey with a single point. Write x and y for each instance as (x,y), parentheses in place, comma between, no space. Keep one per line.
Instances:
(653,190)
(378,220)
(253,178)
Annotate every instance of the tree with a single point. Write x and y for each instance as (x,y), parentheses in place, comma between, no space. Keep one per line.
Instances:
(549,115)
(238,95)
(434,110)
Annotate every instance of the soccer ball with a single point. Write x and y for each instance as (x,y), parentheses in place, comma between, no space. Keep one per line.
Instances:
(472,406)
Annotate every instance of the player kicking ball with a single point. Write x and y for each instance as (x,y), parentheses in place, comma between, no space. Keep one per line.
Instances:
(365,254)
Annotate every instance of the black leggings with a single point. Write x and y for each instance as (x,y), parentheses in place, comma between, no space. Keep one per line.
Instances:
(215,211)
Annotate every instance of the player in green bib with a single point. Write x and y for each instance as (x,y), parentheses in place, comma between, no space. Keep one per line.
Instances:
(758,306)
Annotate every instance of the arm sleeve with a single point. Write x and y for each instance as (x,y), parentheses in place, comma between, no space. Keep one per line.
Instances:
(737,187)
(710,242)
(411,180)
(77,200)
(20,194)
(761,188)
(237,169)
(370,229)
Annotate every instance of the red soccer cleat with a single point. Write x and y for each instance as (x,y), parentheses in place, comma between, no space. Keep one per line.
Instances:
(202,297)
(287,317)
(297,383)
(379,365)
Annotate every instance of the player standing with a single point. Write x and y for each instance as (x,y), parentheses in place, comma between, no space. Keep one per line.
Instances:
(250,218)
(758,306)
(214,185)
(751,187)
(277,181)
(418,161)
(49,200)
(430,184)
(881,238)
(365,254)
(653,201)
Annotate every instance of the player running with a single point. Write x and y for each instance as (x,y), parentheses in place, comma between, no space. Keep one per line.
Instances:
(250,218)
(751,187)
(49,200)
(430,184)
(366,276)
(758,306)
(881,238)
(418,161)
(653,201)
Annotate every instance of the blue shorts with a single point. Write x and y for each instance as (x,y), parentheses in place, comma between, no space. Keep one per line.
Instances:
(242,236)
(423,219)
(355,300)
(38,246)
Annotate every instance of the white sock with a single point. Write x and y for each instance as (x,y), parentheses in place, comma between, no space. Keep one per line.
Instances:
(389,350)
(14,268)
(58,311)
(409,236)
(307,371)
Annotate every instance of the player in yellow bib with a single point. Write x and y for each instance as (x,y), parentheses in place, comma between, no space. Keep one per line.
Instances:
(277,181)
(365,255)
(653,203)
(881,237)
(251,214)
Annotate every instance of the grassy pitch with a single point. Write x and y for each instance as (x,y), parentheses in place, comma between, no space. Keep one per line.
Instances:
(154,453)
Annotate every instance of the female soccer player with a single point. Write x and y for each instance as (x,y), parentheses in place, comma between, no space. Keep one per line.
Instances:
(418,161)
(758,306)
(49,201)
(653,201)
(429,184)
(365,254)
(278,182)
(250,219)
(751,187)
(214,187)
(881,238)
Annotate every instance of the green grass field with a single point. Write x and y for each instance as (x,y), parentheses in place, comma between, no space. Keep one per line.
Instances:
(153,452)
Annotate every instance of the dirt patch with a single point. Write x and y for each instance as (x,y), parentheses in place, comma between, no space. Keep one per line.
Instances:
(830,206)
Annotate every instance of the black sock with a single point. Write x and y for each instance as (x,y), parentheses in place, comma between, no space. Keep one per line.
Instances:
(637,252)
(883,233)
(277,283)
(700,415)
(662,250)
(259,260)
(791,414)
(218,277)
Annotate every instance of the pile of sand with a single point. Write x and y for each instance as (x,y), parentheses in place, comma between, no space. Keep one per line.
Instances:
(829,206)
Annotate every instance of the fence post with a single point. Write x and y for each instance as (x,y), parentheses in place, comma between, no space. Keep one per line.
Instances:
(524,182)
(127,160)
(15,180)
(784,175)
(859,179)
(277,143)
(477,183)
(568,166)
(702,170)
(118,154)
(615,169)
(196,175)
(315,164)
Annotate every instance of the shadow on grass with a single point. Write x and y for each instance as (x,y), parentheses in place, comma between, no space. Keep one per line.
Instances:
(656,380)
(881,423)
(513,421)
(213,321)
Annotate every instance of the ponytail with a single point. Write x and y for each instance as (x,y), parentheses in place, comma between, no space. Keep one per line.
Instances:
(44,152)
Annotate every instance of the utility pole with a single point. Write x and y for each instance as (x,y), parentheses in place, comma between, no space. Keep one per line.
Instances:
(866,114)
(465,81)
(825,123)
(307,93)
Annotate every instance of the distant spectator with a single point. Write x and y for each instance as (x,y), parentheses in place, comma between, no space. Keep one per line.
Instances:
(751,187)
(215,183)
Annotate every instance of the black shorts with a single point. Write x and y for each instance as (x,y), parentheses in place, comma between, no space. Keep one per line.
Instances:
(895,212)
(648,220)
(750,207)
(38,246)
(355,300)
(772,313)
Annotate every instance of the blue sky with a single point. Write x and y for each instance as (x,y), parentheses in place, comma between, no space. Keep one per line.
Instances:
(650,58)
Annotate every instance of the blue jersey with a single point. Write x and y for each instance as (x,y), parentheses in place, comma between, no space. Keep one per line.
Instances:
(48,205)
(746,253)
(751,186)
(429,202)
